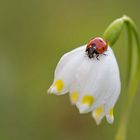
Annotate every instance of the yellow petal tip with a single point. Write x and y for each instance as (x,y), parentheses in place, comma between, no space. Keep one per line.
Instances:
(88,99)
(59,84)
(74,96)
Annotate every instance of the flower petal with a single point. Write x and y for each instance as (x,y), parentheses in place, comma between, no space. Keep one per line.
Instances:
(85,103)
(111,102)
(110,116)
(65,71)
(74,97)
(98,114)
(97,78)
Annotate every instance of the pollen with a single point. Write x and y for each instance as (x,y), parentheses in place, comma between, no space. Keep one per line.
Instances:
(111,112)
(74,96)
(99,111)
(59,84)
(88,100)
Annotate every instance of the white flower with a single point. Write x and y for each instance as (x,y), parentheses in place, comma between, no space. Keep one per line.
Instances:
(93,85)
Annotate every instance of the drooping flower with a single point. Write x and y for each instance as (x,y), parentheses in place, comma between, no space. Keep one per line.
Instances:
(92,83)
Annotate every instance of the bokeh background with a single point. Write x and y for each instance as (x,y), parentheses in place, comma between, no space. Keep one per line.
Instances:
(33,36)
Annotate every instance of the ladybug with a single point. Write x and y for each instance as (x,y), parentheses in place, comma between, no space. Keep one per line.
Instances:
(95,47)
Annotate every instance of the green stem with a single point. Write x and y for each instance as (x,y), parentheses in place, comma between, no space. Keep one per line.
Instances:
(133,83)
(129,61)
(111,35)
(122,129)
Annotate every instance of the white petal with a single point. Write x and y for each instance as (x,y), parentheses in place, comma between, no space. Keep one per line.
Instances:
(73,96)
(65,71)
(98,114)
(111,102)
(83,108)
(97,79)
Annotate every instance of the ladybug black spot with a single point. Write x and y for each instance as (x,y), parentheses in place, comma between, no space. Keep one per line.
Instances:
(94,45)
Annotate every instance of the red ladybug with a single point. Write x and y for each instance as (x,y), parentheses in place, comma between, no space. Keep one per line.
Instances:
(95,47)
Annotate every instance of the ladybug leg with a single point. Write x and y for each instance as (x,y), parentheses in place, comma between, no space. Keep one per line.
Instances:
(104,54)
(97,55)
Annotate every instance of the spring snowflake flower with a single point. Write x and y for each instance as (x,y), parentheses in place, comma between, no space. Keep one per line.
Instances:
(92,83)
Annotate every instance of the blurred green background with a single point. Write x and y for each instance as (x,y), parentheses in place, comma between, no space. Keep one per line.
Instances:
(33,36)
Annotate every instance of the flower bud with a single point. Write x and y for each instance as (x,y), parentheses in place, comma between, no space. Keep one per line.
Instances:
(112,33)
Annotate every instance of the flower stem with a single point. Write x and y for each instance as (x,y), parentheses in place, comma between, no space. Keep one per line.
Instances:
(122,129)
(130,54)
(133,82)
(134,67)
